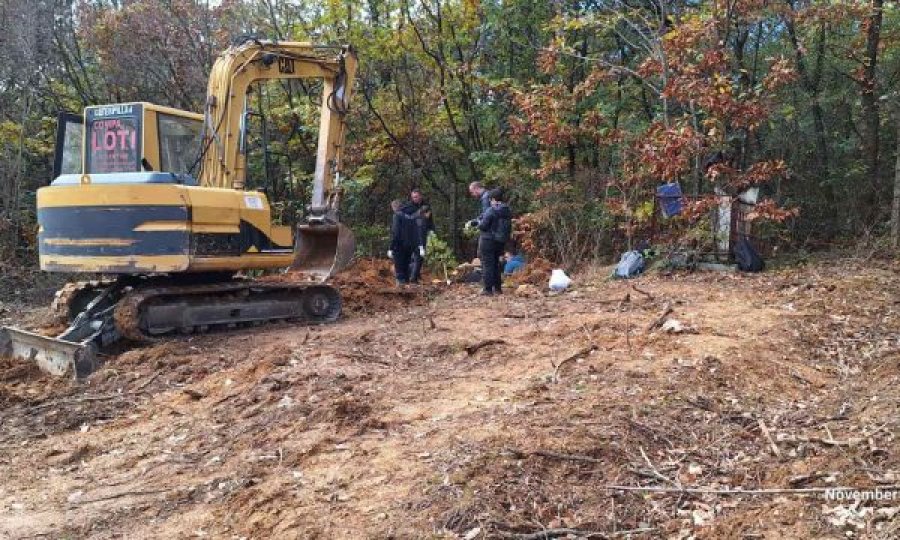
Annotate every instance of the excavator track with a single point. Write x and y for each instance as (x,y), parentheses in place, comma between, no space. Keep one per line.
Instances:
(148,314)
(69,300)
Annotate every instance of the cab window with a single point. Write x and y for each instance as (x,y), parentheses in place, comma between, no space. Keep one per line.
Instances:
(179,142)
(69,136)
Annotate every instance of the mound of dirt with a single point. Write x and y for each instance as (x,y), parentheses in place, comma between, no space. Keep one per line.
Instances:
(23,382)
(368,285)
(535,272)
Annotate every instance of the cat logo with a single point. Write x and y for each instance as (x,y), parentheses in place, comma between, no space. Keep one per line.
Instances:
(285,65)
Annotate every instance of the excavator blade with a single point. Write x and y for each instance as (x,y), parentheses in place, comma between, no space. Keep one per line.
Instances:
(55,356)
(323,250)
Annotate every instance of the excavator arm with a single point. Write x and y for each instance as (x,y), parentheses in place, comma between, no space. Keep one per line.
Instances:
(323,246)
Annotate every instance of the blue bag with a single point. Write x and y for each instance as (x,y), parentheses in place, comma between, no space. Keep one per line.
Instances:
(630,265)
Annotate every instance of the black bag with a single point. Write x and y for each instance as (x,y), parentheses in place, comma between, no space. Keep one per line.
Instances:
(503,230)
(748,260)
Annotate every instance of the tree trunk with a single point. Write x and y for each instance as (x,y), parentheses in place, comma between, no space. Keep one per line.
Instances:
(454,217)
(870,107)
(895,206)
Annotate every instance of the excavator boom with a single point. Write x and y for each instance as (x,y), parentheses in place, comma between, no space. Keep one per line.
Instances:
(323,246)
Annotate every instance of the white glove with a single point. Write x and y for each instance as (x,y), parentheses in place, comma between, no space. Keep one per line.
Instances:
(421,251)
(390,254)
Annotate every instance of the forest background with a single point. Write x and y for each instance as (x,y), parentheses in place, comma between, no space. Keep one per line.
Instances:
(579,109)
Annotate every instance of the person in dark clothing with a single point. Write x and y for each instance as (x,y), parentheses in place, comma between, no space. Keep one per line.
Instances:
(478,191)
(417,207)
(405,239)
(483,195)
(496,227)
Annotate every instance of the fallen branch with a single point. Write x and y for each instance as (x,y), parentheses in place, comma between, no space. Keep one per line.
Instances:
(193,394)
(645,293)
(569,457)
(828,441)
(103,397)
(83,399)
(149,381)
(137,493)
(767,435)
(578,533)
(661,319)
(552,455)
(804,479)
(580,354)
(736,492)
(655,472)
(472,349)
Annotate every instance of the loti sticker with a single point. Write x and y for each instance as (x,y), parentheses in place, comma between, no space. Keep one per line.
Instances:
(253,202)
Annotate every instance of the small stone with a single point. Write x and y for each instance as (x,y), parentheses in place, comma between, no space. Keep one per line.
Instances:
(472,534)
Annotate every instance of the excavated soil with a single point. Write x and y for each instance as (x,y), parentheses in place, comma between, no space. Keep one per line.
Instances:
(536,272)
(368,286)
(459,416)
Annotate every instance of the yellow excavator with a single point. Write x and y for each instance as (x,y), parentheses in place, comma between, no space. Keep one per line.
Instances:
(154,200)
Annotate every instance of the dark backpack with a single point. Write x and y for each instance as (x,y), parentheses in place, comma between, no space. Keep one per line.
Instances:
(503,230)
(747,259)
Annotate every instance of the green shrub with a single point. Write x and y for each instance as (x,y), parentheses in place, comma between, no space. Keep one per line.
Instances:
(439,255)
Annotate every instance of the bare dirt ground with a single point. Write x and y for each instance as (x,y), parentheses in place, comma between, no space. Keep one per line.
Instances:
(441,414)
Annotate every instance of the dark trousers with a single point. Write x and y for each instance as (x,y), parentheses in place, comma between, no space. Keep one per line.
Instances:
(415,265)
(489,251)
(401,264)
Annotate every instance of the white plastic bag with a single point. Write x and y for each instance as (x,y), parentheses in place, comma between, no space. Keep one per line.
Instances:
(559,281)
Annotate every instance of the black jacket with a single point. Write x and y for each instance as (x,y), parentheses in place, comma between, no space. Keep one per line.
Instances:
(419,210)
(493,218)
(485,200)
(406,232)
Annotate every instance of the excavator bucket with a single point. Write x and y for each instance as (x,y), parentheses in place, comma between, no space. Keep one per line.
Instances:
(323,249)
(52,355)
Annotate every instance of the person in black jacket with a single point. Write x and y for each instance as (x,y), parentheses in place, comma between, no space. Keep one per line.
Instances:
(483,195)
(405,239)
(495,226)
(417,207)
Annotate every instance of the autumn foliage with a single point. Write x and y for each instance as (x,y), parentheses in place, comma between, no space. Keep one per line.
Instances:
(707,116)
(579,109)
